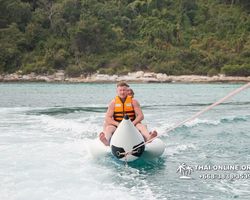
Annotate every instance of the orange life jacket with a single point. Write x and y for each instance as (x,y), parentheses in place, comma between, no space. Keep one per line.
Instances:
(123,108)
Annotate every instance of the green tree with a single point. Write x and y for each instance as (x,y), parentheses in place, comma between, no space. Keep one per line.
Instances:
(12,45)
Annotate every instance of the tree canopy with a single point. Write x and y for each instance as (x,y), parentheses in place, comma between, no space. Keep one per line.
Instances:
(175,37)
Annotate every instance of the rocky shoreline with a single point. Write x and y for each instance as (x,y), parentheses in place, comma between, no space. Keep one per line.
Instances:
(137,77)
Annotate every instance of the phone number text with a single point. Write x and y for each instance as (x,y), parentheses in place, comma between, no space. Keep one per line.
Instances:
(225,176)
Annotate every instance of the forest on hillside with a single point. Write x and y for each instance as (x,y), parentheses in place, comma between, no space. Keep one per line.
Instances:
(176,37)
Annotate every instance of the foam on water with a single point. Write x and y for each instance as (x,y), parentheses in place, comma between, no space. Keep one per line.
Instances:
(67,125)
(48,162)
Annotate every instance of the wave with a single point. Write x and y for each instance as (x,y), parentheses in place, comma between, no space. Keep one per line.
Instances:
(234,119)
(66,110)
(208,122)
(84,127)
(53,110)
(208,104)
(159,106)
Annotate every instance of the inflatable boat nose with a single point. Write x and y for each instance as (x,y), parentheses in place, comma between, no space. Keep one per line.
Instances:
(126,117)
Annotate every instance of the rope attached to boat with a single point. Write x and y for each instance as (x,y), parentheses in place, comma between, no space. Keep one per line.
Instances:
(129,153)
(199,113)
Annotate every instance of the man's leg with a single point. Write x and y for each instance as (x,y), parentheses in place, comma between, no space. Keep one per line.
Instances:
(144,131)
(104,126)
(110,129)
(103,139)
(107,134)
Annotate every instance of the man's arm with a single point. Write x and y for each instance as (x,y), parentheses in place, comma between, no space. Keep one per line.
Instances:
(138,112)
(109,115)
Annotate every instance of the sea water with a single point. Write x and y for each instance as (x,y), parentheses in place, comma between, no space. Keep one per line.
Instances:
(46,130)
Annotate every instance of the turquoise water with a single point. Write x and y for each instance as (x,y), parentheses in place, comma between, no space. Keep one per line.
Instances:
(46,129)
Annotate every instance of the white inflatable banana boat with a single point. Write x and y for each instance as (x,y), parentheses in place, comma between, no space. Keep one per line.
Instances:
(125,139)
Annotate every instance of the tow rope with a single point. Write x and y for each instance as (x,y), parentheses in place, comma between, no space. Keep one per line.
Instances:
(199,113)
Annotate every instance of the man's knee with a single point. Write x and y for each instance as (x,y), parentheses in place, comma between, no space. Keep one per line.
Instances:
(140,125)
(110,128)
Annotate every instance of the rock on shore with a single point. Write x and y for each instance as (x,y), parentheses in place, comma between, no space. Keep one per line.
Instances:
(137,77)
